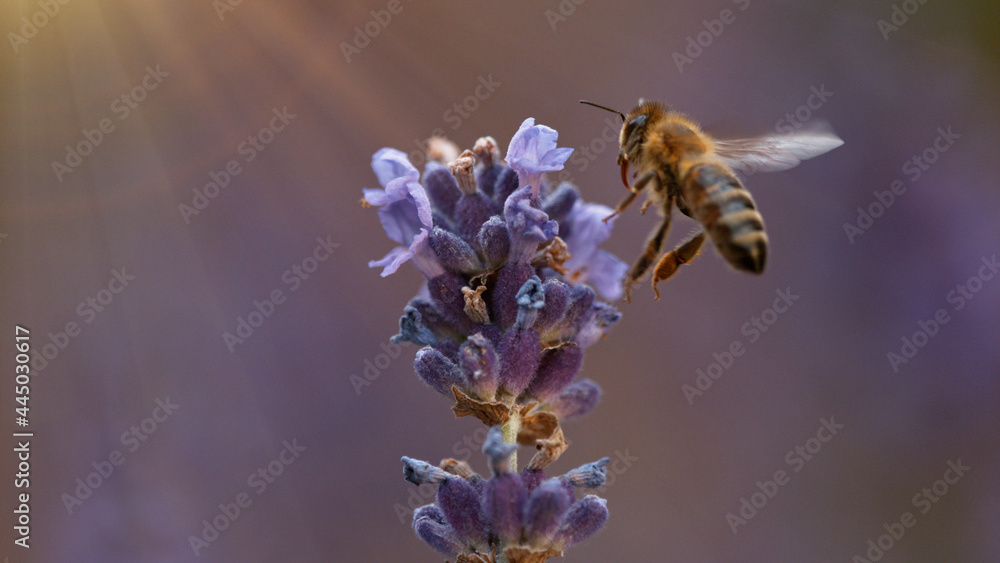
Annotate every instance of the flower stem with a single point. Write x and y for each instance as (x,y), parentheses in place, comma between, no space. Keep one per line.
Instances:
(510,430)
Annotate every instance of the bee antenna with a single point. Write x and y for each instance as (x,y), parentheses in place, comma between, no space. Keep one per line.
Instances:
(604,108)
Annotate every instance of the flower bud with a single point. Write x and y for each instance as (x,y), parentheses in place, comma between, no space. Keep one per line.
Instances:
(494,242)
(506,184)
(510,280)
(478,359)
(446,293)
(544,512)
(556,301)
(437,371)
(504,497)
(561,201)
(430,526)
(520,351)
(530,298)
(583,520)
(412,329)
(589,476)
(420,472)
(442,190)
(576,400)
(454,253)
(556,370)
(459,502)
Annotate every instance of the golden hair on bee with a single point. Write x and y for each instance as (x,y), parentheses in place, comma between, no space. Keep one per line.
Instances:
(677,164)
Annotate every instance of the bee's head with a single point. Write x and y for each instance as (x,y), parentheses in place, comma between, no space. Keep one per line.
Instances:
(636,124)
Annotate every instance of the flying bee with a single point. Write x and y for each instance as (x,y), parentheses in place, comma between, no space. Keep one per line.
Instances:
(678,164)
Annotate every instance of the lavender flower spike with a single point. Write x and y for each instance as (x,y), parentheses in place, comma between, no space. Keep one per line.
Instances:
(505,315)
(532,152)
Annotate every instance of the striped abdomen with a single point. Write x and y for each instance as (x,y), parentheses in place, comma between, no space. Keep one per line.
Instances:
(717,200)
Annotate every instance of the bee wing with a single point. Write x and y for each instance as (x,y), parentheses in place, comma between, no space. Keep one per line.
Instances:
(777,152)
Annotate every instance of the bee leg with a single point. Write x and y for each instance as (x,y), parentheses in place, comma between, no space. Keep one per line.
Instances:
(623,204)
(653,248)
(671,261)
(633,193)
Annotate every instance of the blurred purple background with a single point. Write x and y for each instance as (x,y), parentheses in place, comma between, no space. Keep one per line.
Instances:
(219,76)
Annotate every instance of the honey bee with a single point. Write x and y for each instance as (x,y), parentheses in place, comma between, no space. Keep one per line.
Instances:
(678,164)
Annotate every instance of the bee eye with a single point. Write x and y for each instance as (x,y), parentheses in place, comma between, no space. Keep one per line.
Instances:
(637,121)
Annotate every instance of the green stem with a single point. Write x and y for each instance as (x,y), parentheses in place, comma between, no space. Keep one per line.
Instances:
(510,430)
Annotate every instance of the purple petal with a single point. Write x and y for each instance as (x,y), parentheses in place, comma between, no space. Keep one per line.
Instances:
(419,249)
(586,231)
(403,208)
(390,164)
(527,224)
(605,272)
(598,324)
(533,149)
